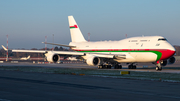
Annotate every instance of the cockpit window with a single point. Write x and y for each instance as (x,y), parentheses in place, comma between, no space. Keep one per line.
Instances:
(162,39)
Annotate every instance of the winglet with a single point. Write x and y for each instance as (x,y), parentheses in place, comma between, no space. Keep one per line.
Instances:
(4,48)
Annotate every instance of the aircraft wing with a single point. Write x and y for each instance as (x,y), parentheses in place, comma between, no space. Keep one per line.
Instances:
(59,44)
(43,51)
(101,55)
(56,52)
(29,51)
(68,53)
(83,54)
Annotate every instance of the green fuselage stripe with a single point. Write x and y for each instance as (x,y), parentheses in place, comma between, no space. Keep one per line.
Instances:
(72,27)
(159,54)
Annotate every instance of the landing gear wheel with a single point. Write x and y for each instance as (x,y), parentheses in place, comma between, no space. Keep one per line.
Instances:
(104,67)
(100,66)
(129,67)
(158,68)
(132,66)
(108,66)
(120,66)
(117,66)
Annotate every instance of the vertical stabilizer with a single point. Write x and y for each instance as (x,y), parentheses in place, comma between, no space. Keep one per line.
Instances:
(76,35)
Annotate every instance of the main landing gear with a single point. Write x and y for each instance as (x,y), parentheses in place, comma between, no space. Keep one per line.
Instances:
(116,66)
(104,67)
(132,66)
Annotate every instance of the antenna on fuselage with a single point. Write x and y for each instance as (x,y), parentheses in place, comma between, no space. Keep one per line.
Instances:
(126,35)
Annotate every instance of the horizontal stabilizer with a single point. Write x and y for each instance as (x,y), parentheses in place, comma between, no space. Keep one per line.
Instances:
(59,44)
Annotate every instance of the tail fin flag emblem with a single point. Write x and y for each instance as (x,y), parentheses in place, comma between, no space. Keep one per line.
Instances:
(76,35)
(75,26)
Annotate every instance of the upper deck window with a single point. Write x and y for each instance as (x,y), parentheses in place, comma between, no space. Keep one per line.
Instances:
(162,39)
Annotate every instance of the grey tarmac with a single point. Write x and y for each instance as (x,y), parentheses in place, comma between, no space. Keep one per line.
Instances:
(28,86)
(33,86)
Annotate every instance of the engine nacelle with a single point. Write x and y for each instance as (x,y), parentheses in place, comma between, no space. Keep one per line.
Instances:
(92,61)
(52,57)
(164,63)
(168,61)
(171,60)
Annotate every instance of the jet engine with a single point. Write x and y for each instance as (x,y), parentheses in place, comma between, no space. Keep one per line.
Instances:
(164,63)
(93,61)
(171,60)
(168,61)
(52,57)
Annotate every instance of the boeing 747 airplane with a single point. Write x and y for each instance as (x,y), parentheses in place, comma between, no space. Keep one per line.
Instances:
(153,49)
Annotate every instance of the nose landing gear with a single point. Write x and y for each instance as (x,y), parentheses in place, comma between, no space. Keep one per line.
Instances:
(158,66)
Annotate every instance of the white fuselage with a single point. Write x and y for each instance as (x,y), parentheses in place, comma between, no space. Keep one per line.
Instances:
(136,49)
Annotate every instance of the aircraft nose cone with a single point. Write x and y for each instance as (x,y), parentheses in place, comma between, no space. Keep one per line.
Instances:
(173,51)
(168,53)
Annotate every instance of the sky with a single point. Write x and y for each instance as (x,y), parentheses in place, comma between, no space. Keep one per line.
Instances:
(27,22)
